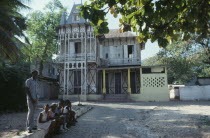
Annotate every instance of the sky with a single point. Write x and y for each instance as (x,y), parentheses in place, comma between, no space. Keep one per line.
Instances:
(150,48)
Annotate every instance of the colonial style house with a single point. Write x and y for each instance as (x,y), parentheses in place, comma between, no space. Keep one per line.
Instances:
(105,67)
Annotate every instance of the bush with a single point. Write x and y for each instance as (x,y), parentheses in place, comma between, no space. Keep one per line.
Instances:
(12,89)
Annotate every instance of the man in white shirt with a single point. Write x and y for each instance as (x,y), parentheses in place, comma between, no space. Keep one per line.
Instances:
(31,91)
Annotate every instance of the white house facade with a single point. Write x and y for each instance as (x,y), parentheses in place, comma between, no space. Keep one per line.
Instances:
(101,67)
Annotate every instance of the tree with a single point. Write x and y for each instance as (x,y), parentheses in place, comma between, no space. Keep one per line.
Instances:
(185,59)
(42,32)
(161,20)
(12,25)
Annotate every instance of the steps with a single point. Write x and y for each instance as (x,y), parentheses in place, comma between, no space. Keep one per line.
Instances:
(116,98)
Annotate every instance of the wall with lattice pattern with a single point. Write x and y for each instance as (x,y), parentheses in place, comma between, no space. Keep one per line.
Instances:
(154,87)
(153,81)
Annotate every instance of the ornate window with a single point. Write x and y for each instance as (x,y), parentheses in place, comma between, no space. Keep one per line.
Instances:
(76,18)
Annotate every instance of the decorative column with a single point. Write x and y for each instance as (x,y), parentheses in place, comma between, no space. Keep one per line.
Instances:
(86,92)
(64,82)
(141,81)
(166,76)
(95,49)
(90,45)
(67,79)
(129,81)
(104,82)
(64,87)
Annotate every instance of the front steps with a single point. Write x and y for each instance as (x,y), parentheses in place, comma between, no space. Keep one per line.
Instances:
(116,98)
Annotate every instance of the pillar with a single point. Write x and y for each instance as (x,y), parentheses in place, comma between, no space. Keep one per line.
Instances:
(166,76)
(67,79)
(64,82)
(141,81)
(129,81)
(104,81)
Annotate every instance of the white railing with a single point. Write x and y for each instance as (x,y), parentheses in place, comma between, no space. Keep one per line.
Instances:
(75,57)
(121,61)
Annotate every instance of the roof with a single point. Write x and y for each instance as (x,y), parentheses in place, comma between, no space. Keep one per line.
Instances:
(74,10)
(63,18)
(116,33)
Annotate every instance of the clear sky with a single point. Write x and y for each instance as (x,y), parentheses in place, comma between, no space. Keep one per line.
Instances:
(150,48)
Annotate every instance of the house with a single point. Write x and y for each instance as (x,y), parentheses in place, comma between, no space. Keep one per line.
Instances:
(48,87)
(98,67)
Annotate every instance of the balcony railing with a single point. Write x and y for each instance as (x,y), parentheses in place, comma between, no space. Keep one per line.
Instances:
(75,57)
(119,62)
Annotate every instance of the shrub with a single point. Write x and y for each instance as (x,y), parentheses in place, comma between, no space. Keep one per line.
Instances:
(12,78)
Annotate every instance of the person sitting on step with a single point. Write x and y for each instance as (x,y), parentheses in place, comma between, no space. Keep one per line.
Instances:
(53,117)
(43,121)
(65,112)
(71,114)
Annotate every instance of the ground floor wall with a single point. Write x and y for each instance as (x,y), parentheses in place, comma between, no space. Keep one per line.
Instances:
(139,84)
(116,81)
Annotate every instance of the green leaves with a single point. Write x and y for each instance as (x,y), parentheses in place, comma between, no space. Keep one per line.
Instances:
(42,31)
(162,42)
(164,19)
(12,25)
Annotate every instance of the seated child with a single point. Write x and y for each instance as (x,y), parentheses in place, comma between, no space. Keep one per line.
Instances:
(43,121)
(65,112)
(58,110)
(51,112)
(53,117)
(71,114)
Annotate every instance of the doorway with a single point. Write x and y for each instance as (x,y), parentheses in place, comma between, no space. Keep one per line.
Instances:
(133,82)
(118,86)
(77,82)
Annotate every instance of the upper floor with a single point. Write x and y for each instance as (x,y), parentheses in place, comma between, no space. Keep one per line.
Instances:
(119,49)
(77,42)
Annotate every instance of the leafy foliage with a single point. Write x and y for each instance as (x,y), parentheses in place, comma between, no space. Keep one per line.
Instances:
(161,20)
(185,59)
(42,32)
(12,86)
(12,25)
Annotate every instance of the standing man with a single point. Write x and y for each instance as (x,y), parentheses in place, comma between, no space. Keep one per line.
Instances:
(31,91)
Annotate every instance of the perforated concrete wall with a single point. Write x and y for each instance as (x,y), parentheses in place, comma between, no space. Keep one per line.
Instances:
(154,87)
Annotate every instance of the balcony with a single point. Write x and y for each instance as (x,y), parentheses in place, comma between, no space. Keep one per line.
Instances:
(120,62)
(75,57)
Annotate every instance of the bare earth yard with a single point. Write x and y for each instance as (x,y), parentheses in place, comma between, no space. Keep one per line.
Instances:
(130,120)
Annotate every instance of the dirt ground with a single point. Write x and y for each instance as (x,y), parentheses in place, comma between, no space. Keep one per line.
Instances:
(13,123)
(178,119)
(158,119)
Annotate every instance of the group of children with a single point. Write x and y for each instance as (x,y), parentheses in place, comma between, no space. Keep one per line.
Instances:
(56,117)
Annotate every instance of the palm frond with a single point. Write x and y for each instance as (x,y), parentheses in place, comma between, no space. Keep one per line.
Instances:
(12,25)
